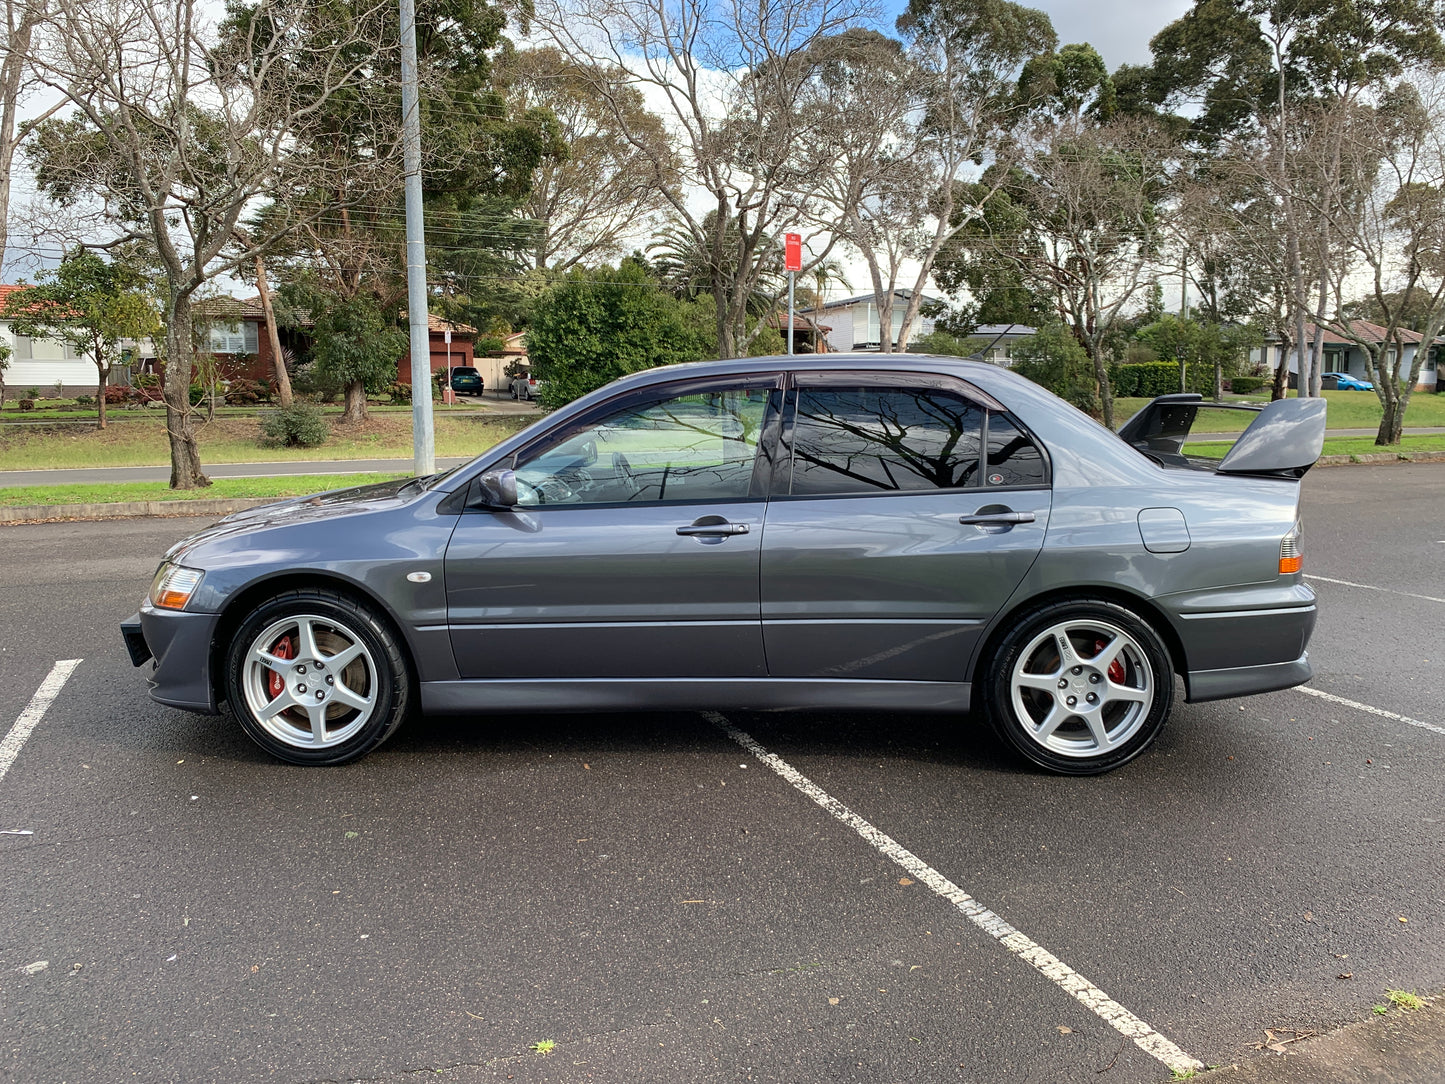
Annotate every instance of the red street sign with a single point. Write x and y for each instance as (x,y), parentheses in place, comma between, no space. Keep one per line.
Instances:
(792,252)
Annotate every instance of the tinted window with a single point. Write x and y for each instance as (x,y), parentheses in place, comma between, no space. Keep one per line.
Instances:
(698,447)
(878,439)
(1013,459)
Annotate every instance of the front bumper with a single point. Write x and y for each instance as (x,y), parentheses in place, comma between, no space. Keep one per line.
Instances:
(178,644)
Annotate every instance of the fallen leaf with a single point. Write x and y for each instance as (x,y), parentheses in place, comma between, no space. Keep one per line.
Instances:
(1309,916)
(1065,1031)
(35,968)
(255,968)
(1346,975)
(587,767)
(832,1001)
(1404,919)
(906,881)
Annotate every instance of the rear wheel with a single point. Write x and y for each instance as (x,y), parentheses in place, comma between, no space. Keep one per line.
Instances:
(1079,687)
(316,678)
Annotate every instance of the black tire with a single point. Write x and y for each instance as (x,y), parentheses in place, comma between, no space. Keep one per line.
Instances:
(1082,713)
(360,700)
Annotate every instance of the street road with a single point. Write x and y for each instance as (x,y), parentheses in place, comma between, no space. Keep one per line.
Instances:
(649,895)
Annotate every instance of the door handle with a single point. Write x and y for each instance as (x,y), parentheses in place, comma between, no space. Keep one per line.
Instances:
(997,519)
(713,529)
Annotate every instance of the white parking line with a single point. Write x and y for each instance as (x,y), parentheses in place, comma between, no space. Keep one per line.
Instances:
(1371,587)
(1381,712)
(35,711)
(1047,964)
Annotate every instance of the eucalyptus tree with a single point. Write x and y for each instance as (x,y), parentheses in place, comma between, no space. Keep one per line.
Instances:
(728,78)
(1246,67)
(175,131)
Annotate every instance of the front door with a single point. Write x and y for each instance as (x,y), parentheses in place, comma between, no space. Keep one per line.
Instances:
(906,510)
(633,551)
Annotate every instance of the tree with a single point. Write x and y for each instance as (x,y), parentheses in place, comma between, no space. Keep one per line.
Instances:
(355,344)
(1220,348)
(596,326)
(22,17)
(1053,358)
(731,75)
(584,203)
(1076,221)
(177,131)
(90,304)
(4,364)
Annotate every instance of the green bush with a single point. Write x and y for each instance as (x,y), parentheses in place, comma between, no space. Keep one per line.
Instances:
(1053,358)
(244,392)
(1243,385)
(1148,379)
(400,392)
(299,425)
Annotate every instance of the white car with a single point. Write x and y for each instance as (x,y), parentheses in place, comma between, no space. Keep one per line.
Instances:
(525,386)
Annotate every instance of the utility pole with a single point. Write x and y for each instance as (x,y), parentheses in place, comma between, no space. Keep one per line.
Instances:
(423,440)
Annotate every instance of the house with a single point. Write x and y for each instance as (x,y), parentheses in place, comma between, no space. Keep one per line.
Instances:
(853,322)
(996,341)
(43,363)
(809,336)
(235,333)
(1345,355)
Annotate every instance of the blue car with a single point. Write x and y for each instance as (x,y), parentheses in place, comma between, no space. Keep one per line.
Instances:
(1345,382)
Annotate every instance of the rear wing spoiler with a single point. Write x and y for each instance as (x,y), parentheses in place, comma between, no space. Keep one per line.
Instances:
(1283,440)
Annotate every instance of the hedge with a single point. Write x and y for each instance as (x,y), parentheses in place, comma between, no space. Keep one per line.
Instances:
(1148,379)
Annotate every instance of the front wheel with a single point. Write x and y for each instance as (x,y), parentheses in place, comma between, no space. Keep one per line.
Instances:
(315,677)
(1079,688)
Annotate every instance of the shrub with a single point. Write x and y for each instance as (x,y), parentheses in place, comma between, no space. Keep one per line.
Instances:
(27,404)
(198,394)
(1243,385)
(116,393)
(85,400)
(400,392)
(1053,357)
(299,425)
(1152,378)
(147,380)
(243,392)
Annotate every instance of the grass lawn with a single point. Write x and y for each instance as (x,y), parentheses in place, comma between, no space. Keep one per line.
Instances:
(1347,410)
(1333,446)
(142,443)
(297,485)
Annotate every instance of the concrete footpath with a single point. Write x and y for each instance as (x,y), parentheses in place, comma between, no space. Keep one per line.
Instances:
(1400,1047)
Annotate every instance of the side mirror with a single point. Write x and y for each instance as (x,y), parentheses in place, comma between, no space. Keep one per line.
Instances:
(499,488)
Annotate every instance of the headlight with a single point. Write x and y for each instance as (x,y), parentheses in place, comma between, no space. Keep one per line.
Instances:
(174,586)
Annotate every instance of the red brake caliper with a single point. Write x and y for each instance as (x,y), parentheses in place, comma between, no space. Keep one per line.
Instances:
(283,648)
(1116,668)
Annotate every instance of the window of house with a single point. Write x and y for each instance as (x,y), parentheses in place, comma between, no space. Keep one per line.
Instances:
(23,350)
(884,439)
(237,338)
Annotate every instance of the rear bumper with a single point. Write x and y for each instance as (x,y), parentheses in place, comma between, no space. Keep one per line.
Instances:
(1246,680)
(178,646)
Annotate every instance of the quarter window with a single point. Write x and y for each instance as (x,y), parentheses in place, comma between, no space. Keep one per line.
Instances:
(884,439)
(1013,459)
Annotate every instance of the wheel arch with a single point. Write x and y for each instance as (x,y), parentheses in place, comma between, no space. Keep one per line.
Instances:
(239,605)
(1143,607)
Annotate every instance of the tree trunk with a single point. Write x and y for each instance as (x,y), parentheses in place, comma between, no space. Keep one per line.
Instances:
(11,73)
(186,470)
(356,403)
(278,363)
(1106,389)
(102,377)
(1280,386)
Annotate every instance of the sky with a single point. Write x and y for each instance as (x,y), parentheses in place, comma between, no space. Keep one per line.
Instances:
(1119,29)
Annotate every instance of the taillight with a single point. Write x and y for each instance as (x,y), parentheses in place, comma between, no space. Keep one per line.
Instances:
(1291,557)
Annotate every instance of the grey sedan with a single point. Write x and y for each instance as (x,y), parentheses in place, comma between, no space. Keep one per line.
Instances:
(833,532)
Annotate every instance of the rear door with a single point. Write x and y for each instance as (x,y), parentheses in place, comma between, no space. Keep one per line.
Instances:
(905,511)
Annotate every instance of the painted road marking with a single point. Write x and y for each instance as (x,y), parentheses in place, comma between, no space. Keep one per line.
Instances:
(1371,587)
(1047,964)
(1333,699)
(35,711)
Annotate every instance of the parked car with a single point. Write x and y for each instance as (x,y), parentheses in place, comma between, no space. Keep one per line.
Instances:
(467,380)
(1344,382)
(837,532)
(525,386)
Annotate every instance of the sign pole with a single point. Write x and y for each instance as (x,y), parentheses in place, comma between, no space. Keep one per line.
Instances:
(792,263)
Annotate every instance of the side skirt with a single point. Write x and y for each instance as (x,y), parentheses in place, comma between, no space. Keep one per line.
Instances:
(683,694)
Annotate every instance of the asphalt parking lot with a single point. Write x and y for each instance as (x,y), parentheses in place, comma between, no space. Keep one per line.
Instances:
(689,897)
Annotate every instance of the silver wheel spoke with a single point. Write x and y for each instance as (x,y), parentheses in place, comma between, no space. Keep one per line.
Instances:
(1045,729)
(1068,657)
(1043,682)
(317,715)
(1095,723)
(342,657)
(1126,692)
(306,634)
(351,699)
(1106,658)
(283,700)
(275,662)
